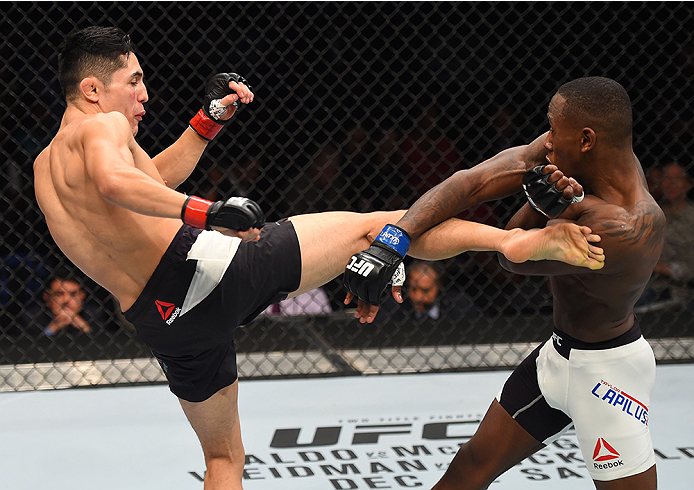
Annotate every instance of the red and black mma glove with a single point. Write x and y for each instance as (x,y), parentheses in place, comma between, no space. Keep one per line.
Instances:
(543,196)
(236,213)
(370,272)
(207,122)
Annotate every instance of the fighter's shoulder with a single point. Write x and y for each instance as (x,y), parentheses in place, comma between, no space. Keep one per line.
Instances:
(641,222)
(41,158)
(103,125)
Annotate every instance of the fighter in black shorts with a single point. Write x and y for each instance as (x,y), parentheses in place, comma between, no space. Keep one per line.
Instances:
(205,285)
(114,211)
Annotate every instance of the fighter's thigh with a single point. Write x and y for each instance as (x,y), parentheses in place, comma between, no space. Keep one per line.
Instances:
(498,444)
(609,402)
(501,441)
(328,240)
(216,423)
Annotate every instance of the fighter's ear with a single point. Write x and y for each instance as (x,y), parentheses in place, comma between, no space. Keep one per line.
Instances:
(91,88)
(588,139)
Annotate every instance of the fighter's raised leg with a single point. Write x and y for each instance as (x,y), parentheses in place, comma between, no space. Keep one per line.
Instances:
(563,242)
(328,240)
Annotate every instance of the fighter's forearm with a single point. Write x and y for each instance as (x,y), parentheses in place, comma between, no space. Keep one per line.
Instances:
(177,162)
(498,177)
(526,218)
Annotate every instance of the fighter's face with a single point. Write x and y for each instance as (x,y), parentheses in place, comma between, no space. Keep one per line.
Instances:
(127,93)
(563,140)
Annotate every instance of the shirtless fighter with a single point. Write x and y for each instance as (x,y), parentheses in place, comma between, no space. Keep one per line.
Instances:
(187,271)
(597,371)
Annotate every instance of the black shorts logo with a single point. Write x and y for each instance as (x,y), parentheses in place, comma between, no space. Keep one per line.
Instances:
(168,311)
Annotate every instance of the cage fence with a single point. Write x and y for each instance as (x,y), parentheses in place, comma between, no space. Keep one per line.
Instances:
(359,106)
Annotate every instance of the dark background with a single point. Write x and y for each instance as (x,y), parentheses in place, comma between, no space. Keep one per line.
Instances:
(359,106)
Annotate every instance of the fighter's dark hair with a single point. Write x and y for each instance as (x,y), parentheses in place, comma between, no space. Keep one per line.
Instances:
(600,103)
(94,51)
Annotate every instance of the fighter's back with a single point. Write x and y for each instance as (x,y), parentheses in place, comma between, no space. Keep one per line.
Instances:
(116,247)
(599,304)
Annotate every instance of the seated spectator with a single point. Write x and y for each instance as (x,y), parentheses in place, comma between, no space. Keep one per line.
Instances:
(654,179)
(314,302)
(64,308)
(674,272)
(424,297)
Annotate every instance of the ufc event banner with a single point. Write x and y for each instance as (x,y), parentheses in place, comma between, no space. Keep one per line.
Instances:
(398,432)
(373,432)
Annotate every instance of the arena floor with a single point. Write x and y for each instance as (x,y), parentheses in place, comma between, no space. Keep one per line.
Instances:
(393,431)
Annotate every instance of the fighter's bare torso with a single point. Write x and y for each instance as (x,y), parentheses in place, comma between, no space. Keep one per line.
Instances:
(120,252)
(632,235)
(598,305)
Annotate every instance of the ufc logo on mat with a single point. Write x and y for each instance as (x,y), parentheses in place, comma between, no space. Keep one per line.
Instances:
(362,267)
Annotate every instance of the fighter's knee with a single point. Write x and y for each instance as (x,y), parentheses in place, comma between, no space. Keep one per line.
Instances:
(224,461)
(471,466)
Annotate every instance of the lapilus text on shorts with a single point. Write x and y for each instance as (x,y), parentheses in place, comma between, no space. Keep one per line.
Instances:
(621,400)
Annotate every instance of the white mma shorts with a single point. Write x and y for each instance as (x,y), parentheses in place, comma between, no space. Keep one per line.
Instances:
(603,388)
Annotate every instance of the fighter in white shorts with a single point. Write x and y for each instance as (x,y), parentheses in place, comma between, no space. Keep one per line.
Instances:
(597,372)
(603,389)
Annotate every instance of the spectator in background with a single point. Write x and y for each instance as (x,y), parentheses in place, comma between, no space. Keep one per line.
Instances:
(654,178)
(64,308)
(674,273)
(321,183)
(387,189)
(314,302)
(425,299)
(253,177)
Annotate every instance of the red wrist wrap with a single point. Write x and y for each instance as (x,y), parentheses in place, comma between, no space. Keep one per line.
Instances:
(205,126)
(194,212)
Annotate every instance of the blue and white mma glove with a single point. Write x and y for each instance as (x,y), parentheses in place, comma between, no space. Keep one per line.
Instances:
(543,196)
(370,272)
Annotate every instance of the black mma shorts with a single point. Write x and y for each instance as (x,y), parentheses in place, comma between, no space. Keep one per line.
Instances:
(206,285)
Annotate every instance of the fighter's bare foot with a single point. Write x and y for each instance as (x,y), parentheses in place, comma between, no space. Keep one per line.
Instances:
(565,242)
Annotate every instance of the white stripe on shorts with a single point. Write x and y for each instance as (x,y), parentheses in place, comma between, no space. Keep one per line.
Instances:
(214,252)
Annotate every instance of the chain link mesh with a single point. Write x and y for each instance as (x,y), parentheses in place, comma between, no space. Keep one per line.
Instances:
(359,106)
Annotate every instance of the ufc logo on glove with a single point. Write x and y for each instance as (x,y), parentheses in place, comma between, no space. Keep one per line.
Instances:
(370,272)
(361,267)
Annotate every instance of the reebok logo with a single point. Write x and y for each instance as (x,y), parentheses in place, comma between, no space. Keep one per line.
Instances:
(607,455)
(168,311)
(604,452)
(164,308)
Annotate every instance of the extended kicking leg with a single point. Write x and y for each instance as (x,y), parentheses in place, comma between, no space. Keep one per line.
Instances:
(328,240)
(564,242)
